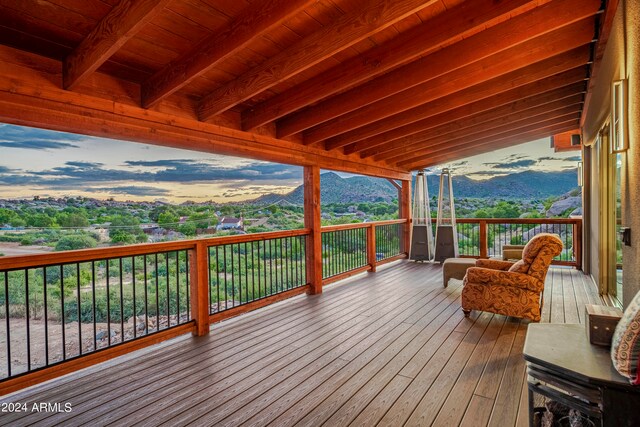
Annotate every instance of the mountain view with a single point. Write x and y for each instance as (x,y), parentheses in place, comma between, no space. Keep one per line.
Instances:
(525,185)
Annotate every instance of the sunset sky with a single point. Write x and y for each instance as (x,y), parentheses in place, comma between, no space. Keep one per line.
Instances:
(35,162)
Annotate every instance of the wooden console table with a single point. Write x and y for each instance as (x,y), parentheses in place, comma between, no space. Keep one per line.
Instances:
(564,366)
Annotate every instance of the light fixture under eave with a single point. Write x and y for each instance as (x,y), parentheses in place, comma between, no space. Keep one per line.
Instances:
(580,175)
(619,141)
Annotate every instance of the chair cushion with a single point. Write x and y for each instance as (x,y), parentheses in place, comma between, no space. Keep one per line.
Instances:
(625,346)
(519,267)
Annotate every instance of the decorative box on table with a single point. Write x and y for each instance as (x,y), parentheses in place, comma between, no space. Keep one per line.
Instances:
(601,322)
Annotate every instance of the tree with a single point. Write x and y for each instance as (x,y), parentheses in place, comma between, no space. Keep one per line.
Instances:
(168,220)
(126,229)
(72,220)
(75,241)
(39,220)
(188,229)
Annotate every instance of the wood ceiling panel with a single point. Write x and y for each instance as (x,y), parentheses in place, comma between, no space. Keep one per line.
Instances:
(387,56)
(493,145)
(518,30)
(489,128)
(492,136)
(382,98)
(451,121)
(342,33)
(555,72)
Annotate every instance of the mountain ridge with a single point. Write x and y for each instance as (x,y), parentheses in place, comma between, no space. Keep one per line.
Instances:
(527,185)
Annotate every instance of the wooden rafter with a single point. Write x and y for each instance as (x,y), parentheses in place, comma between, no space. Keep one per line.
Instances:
(555,72)
(489,130)
(404,48)
(112,32)
(492,137)
(494,145)
(514,58)
(33,97)
(248,26)
(473,113)
(320,45)
(511,36)
(507,114)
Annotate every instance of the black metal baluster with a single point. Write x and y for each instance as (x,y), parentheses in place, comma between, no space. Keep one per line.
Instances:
(226,286)
(233,277)
(6,316)
(186,285)
(26,298)
(121,301)
(133,283)
(64,341)
(260,273)
(218,278)
(282,264)
(93,302)
(46,317)
(253,272)
(178,283)
(79,310)
(157,293)
(107,264)
(166,264)
(146,296)
(271,268)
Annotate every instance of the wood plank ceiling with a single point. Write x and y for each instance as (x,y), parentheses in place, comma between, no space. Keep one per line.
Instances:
(395,84)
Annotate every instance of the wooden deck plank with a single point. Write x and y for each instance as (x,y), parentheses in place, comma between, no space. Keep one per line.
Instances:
(456,402)
(148,397)
(557,302)
(569,297)
(505,409)
(386,348)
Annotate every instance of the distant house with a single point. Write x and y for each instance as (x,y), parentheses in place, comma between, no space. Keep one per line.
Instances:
(230,223)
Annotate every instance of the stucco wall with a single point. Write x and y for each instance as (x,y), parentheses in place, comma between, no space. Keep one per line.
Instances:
(631,179)
(621,60)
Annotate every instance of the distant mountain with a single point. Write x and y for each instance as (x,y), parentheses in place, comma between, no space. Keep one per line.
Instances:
(523,185)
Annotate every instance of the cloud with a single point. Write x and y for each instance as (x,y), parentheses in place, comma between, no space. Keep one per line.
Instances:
(36,139)
(562,159)
(573,159)
(132,190)
(516,164)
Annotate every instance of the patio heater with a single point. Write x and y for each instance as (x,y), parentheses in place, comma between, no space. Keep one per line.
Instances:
(446,233)
(421,232)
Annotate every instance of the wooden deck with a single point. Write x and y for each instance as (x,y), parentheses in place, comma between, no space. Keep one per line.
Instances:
(388,348)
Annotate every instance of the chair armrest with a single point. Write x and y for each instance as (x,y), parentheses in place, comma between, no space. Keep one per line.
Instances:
(488,276)
(494,264)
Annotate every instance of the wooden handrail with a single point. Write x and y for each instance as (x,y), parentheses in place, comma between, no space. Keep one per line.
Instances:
(517,220)
(354,225)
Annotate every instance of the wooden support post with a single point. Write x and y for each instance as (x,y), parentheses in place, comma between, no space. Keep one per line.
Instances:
(312,222)
(199,283)
(577,243)
(371,248)
(483,239)
(404,201)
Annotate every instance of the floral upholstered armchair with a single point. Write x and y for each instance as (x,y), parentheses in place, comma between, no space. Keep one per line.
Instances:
(511,288)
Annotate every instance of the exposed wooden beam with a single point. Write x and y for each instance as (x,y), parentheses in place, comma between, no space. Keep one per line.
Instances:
(507,114)
(509,101)
(342,33)
(402,49)
(490,130)
(531,51)
(114,30)
(539,77)
(518,30)
(492,146)
(493,138)
(248,26)
(31,95)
